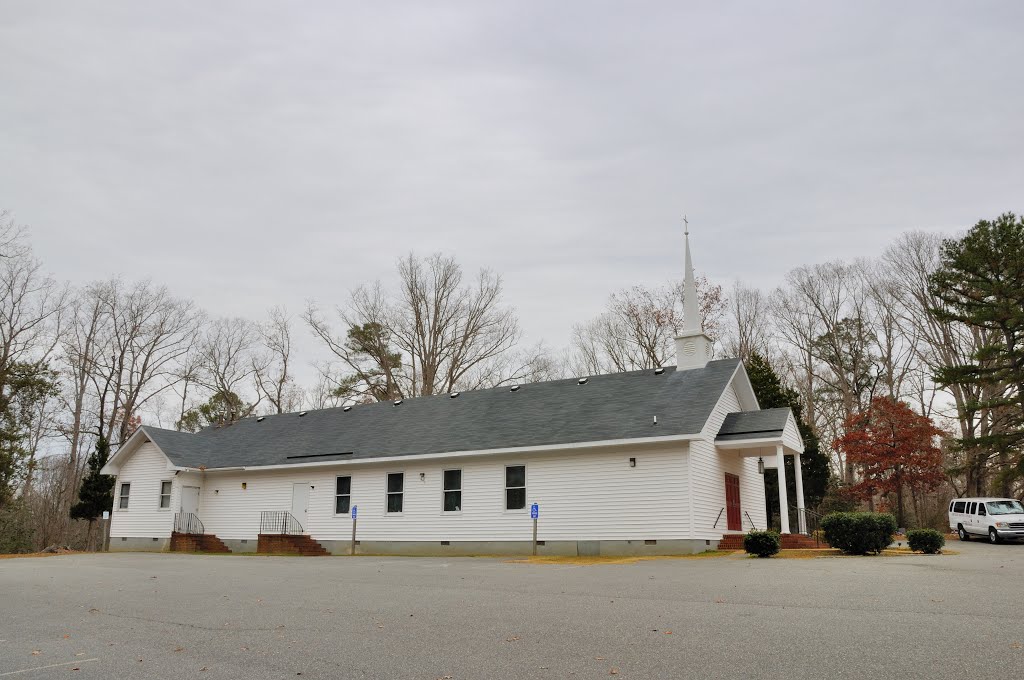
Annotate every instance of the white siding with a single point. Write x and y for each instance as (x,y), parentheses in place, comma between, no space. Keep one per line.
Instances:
(144,470)
(586,495)
(709,467)
(791,435)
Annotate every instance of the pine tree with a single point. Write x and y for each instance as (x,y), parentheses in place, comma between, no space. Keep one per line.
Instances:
(97,491)
(981,284)
(771,393)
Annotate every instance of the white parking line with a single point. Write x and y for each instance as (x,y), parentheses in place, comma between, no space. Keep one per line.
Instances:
(52,665)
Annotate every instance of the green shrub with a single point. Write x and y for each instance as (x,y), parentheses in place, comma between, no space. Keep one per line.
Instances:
(928,541)
(859,533)
(762,543)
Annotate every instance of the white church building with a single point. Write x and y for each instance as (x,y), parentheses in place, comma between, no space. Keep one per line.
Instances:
(660,461)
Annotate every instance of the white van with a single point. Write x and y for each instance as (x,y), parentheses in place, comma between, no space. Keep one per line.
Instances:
(997,518)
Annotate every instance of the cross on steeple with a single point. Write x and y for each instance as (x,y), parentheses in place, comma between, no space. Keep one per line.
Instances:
(686,226)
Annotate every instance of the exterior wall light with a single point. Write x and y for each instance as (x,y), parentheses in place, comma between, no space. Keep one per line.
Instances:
(632,462)
(243,486)
(760,465)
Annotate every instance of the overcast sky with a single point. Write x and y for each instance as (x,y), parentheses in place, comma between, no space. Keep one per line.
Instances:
(255,154)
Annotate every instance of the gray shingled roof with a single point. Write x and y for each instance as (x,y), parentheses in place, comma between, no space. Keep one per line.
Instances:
(617,406)
(769,422)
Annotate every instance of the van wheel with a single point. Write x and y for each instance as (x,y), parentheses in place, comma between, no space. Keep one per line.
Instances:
(962,533)
(993,537)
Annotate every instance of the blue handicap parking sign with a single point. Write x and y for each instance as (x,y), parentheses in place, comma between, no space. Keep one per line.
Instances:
(354,511)
(534,511)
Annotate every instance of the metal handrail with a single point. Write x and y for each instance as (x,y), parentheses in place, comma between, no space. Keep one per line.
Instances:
(718,518)
(188,523)
(279,522)
(753,527)
(812,522)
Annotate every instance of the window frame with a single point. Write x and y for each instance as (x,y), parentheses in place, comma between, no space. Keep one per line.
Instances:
(160,496)
(526,484)
(339,495)
(388,493)
(963,507)
(445,491)
(123,497)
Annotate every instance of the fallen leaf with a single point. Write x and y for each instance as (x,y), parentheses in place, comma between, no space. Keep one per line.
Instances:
(512,639)
(1016,645)
(599,658)
(66,637)
(36,652)
(179,649)
(614,671)
(668,632)
(204,668)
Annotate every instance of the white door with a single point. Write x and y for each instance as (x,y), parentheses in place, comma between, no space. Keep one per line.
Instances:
(300,502)
(190,499)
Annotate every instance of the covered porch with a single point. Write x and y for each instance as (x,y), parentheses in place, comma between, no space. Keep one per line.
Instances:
(769,436)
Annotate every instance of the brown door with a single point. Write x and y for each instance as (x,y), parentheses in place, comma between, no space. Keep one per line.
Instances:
(732,502)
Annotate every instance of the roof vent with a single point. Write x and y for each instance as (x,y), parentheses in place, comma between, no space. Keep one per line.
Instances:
(582,381)
(454,394)
(514,388)
(302,413)
(396,402)
(346,409)
(659,370)
(260,419)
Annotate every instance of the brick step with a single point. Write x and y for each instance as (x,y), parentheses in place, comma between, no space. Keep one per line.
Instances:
(197,543)
(290,544)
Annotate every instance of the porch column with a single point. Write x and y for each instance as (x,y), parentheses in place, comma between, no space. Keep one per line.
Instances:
(780,461)
(801,516)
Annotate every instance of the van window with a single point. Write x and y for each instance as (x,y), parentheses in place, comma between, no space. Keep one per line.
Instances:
(958,506)
(970,510)
(1007,507)
(951,506)
(981,509)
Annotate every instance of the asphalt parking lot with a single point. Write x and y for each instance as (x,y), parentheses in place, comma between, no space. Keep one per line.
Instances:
(187,616)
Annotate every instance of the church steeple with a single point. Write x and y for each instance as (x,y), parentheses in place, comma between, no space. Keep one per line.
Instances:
(691,317)
(693,347)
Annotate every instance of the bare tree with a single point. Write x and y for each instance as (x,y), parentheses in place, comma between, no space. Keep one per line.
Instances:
(437,334)
(229,364)
(32,307)
(909,262)
(145,334)
(823,314)
(274,379)
(637,330)
(750,323)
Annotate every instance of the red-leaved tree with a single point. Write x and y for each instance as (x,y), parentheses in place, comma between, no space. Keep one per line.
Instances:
(895,450)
